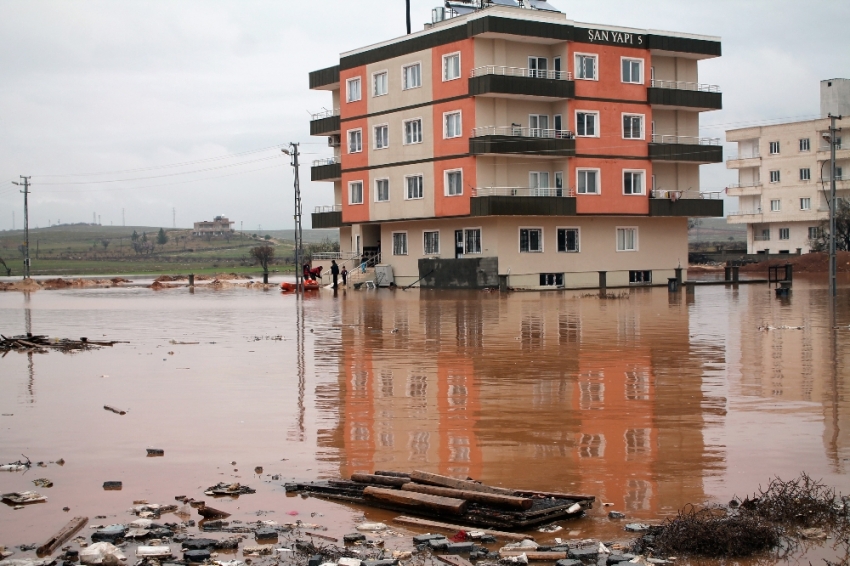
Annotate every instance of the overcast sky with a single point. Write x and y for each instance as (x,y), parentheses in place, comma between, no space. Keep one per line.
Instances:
(93,93)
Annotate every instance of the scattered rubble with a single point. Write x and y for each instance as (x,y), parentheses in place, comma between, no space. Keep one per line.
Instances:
(224,489)
(41,344)
(23,497)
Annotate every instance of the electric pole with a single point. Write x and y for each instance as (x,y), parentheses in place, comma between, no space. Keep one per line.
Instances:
(26,185)
(299,241)
(833,203)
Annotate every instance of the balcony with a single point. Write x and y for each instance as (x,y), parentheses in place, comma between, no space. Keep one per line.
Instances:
(522,201)
(744,190)
(678,203)
(744,159)
(685,149)
(824,153)
(519,83)
(745,216)
(329,169)
(325,79)
(516,140)
(327,216)
(680,95)
(325,123)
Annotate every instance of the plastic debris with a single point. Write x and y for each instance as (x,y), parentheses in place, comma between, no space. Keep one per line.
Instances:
(228,489)
(101,553)
(154,551)
(371,527)
(42,482)
(24,497)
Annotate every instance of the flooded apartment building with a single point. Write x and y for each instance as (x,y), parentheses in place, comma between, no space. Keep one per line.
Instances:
(509,144)
(784,176)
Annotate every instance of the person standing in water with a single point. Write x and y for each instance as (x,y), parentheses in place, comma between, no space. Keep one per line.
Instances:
(335,272)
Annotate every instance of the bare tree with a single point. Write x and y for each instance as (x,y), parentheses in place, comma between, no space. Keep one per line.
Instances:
(6,267)
(842,230)
(263,255)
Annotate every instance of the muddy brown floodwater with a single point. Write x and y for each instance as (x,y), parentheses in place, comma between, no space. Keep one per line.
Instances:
(649,401)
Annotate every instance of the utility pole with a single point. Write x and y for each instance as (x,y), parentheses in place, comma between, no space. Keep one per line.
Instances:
(833,203)
(26,185)
(299,240)
(408,16)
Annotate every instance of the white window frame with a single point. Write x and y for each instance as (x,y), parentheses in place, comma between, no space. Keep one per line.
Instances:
(351,184)
(459,66)
(816,232)
(805,203)
(421,187)
(404,85)
(805,174)
(480,240)
(770,146)
(519,240)
(348,82)
(446,115)
(578,239)
(598,180)
(642,125)
(377,192)
(787,233)
(424,249)
(805,144)
(539,175)
(576,74)
(446,191)
(617,239)
(404,124)
(348,140)
(778,176)
(374,84)
(375,136)
(406,242)
(778,203)
(632,60)
(595,125)
(643,181)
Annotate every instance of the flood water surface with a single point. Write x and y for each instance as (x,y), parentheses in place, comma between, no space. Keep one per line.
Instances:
(648,401)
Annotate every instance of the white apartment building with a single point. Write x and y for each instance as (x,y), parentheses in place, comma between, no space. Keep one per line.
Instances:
(784,176)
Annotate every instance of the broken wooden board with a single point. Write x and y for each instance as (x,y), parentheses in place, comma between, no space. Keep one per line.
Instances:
(379,479)
(425,523)
(64,534)
(477,496)
(445,481)
(411,499)
(531,554)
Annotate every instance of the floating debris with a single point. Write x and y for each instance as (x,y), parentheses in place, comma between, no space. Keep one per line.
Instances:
(42,482)
(222,489)
(41,344)
(23,497)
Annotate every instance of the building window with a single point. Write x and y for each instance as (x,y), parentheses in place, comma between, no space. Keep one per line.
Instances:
(632,70)
(379,84)
(588,181)
(454,183)
(451,125)
(414,187)
(586,67)
(353,88)
(413,131)
(774,148)
(640,277)
(382,190)
(814,232)
(538,67)
(538,124)
(355,192)
(538,180)
(633,126)
(431,242)
(586,124)
(559,183)
(774,176)
(805,204)
(399,243)
(568,240)
(805,174)
(784,233)
(382,136)
(355,141)
(633,182)
(472,241)
(551,279)
(451,66)
(627,239)
(530,240)
(775,205)
(765,234)
(411,76)
(804,144)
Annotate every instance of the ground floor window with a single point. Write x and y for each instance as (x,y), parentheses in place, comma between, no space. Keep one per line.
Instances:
(784,233)
(627,239)
(640,277)
(431,243)
(814,232)
(472,241)
(568,240)
(530,240)
(399,243)
(551,279)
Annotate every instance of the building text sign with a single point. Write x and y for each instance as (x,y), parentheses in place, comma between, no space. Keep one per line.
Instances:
(611,37)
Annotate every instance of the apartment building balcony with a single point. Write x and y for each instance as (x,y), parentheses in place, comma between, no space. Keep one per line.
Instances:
(682,203)
(516,140)
(746,216)
(325,79)
(744,190)
(681,95)
(329,169)
(824,153)
(685,149)
(522,201)
(325,123)
(744,159)
(520,83)
(327,216)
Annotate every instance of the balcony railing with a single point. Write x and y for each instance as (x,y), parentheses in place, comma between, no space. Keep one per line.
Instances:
(676,195)
(690,140)
(335,255)
(325,113)
(519,131)
(520,72)
(746,185)
(326,161)
(749,154)
(745,212)
(334,208)
(522,192)
(683,85)
(761,238)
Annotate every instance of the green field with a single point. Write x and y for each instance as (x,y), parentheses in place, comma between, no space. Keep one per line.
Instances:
(109,250)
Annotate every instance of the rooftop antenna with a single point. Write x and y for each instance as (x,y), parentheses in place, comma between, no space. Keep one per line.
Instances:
(407,2)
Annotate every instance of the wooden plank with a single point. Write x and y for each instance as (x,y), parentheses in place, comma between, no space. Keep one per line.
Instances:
(64,534)
(476,496)
(445,481)
(453,560)
(392,474)
(556,495)
(532,554)
(380,480)
(425,523)
(418,500)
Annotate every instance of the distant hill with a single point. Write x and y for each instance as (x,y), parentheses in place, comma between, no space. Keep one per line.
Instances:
(717,230)
(93,231)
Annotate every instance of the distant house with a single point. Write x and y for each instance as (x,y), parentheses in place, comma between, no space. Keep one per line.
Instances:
(219,226)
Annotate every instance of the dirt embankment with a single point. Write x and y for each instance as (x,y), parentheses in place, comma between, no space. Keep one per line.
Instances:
(28,285)
(807,263)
